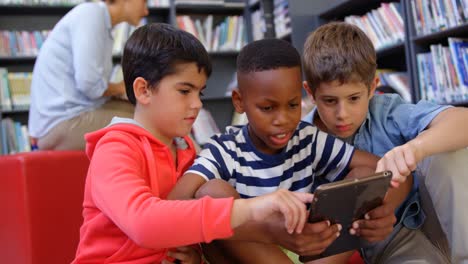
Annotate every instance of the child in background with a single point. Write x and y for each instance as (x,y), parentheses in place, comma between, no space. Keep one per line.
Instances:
(274,151)
(136,162)
(340,64)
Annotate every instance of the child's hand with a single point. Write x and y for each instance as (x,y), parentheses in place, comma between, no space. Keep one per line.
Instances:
(313,240)
(377,225)
(290,205)
(184,255)
(401,160)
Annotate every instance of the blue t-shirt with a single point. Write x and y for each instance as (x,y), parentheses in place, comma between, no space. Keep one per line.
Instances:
(72,69)
(310,159)
(392,122)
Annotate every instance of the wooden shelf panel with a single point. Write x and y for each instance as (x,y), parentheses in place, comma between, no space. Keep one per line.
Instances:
(459,31)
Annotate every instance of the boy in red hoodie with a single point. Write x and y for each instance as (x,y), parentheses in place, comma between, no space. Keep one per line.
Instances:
(136,162)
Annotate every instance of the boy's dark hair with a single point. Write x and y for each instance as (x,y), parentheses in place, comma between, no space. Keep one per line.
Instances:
(154,50)
(338,51)
(267,54)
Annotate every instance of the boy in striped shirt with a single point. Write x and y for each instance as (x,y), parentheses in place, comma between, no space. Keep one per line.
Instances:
(275,150)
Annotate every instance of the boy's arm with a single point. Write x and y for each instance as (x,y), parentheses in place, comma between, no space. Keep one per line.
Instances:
(363,159)
(445,133)
(186,187)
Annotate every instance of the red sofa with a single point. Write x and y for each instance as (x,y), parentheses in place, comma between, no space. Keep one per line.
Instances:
(41,196)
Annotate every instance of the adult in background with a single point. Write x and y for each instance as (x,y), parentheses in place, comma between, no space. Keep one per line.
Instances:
(70,92)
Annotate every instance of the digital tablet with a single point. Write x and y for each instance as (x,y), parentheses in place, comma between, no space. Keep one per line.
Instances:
(343,202)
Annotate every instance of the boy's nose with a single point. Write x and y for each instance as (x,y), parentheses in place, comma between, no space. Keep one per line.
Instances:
(280,118)
(197,103)
(341,111)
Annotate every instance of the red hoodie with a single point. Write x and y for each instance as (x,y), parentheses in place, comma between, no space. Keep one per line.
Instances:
(126,219)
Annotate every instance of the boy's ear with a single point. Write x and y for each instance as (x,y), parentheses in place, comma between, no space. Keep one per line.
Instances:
(308,91)
(373,86)
(141,91)
(237,101)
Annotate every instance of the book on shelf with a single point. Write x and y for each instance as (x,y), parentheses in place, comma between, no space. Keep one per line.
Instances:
(282,19)
(21,43)
(434,15)
(199,2)
(121,33)
(442,72)
(15,90)
(204,127)
(398,81)
(384,25)
(258,24)
(228,35)
(158,3)
(15,137)
(41,2)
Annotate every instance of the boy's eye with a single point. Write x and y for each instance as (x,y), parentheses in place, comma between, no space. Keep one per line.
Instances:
(184,91)
(329,101)
(355,98)
(294,105)
(266,108)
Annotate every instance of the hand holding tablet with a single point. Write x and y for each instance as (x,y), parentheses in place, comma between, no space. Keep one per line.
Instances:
(343,202)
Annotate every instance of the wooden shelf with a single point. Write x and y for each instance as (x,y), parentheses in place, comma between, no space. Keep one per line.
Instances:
(209,9)
(15,111)
(255,5)
(347,7)
(17,59)
(397,48)
(459,31)
(44,10)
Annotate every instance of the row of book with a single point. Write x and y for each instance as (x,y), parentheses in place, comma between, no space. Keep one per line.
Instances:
(233,3)
(14,137)
(398,82)
(443,75)
(21,43)
(27,43)
(158,3)
(281,18)
(151,3)
(41,2)
(384,25)
(15,90)
(259,26)
(228,35)
(436,15)
(121,33)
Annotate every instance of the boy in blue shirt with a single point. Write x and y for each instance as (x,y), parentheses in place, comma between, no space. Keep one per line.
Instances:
(275,150)
(340,64)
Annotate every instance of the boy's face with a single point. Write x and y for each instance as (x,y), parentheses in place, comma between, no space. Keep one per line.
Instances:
(272,102)
(135,11)
(342,107)
(174,104)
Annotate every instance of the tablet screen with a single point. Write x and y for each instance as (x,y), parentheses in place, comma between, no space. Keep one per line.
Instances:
(345,201)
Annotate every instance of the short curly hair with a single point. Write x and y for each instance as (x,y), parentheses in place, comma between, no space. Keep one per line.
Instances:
(267,54)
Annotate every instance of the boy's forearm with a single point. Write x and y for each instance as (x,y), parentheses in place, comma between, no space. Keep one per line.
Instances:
(186,187)
(363,159)
(447,132)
